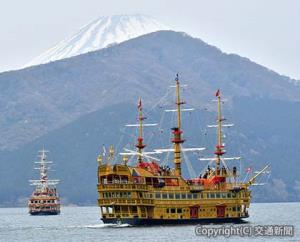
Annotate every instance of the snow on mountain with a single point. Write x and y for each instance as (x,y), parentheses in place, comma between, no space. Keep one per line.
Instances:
(99,34)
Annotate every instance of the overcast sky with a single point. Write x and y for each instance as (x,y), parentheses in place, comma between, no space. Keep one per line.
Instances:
(266,31)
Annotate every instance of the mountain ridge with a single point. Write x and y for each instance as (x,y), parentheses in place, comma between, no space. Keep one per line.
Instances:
(39,99)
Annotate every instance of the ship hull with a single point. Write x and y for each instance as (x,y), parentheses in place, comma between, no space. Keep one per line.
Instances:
(140,221)
(42,213)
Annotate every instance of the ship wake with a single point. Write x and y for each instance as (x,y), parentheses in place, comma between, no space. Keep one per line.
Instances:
(100,226)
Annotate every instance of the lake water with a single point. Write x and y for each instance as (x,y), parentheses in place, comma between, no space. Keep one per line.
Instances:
(83,224)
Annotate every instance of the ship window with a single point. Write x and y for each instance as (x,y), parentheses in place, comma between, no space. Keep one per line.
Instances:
(233,209)
(189,196)
(164,195)
(177,196)
(195,195)
(109,209)
(117,209)
(233,195)
(179,210)
(168,210)
(229,195)
(212,195)
(157,195)
(133,209)
(223,195)
(150,195)
(218,195)
(183,196)
(173,210)
(202,195)
(171,195)
(148,181)
(238,208)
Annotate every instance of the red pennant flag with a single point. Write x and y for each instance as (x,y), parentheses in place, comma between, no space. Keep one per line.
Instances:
(218,93)
(140,104)
(249,169)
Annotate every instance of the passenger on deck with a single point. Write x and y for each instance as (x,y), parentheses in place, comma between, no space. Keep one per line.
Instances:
(234,171)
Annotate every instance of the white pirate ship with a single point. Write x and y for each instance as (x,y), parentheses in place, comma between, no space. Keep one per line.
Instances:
(44,199)
(147,193)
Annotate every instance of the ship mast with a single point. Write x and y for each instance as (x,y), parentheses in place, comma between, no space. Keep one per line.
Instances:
(43,182)
(140,140)
(177,141)
(219,147)
(140,145)
(43,170)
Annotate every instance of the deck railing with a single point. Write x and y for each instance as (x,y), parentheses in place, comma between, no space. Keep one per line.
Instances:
(125,201)
(218,187)
(122,186)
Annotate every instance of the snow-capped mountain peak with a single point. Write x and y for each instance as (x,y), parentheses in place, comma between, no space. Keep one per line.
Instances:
(99,34)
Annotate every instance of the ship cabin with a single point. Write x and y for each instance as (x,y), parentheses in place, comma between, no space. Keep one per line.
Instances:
(46,201)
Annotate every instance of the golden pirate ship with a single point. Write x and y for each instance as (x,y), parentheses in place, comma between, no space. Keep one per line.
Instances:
(147,194)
